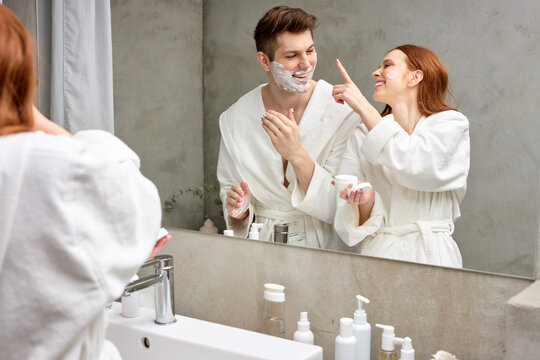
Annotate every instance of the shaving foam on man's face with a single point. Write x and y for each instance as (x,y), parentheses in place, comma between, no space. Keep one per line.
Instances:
(293,81)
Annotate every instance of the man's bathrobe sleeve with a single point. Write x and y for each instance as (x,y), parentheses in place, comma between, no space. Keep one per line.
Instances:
(319,201)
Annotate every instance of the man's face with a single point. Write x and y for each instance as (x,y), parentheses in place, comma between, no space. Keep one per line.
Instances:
(294,61)
(296,52)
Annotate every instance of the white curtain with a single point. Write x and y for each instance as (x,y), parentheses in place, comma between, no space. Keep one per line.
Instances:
(81,65)
(75,62)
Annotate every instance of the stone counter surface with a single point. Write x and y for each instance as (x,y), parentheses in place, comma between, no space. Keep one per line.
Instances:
(221,280)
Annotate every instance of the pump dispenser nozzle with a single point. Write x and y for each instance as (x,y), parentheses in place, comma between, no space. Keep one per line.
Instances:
(388,336)
(360,316)
(303,323)
(303,334)
(407,351)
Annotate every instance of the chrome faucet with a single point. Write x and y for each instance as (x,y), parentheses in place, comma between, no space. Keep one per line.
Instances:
(164,287)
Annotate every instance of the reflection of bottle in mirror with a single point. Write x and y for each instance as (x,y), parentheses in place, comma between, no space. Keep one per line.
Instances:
(281,233)
(243,207)
(274,310)
(254,233)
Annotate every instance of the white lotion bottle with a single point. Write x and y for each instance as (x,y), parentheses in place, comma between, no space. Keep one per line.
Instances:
(303,334)
(254,233)
(362,331)
(345,341)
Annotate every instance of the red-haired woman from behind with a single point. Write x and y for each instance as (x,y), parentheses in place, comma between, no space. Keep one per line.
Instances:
(415,154)
(77,219)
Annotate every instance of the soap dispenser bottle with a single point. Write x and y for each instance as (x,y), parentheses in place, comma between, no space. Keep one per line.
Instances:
(388,349)
(362,331)
(303,334)
(345,341)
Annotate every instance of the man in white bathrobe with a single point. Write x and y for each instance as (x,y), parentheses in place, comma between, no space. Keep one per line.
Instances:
(281,143)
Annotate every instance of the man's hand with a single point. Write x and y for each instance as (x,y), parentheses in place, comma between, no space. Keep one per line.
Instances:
(284,134)
(235,196)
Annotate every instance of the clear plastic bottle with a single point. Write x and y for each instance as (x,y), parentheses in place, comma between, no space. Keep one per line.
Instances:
(274,310)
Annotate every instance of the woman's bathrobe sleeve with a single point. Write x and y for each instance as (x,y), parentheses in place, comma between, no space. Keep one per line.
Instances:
(434,158)
(347,216)
(85,220)
(319,201)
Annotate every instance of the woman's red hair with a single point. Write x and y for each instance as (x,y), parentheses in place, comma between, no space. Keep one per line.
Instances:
(433,88)
(16,75)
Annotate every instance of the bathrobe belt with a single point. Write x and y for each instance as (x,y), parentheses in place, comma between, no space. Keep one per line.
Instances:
(426,228)
(279,215)
(296,220)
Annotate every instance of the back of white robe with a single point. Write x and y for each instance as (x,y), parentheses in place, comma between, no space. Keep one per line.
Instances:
(78,219)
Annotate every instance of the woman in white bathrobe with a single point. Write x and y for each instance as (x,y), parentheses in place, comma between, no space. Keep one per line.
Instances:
(416,156)
(77,219)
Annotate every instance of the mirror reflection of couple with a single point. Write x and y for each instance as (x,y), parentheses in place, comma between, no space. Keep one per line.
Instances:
(283,142)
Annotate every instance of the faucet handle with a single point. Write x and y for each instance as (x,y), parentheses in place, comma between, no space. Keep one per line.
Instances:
(164,261)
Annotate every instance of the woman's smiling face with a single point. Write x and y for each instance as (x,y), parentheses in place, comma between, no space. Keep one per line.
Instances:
(392,78)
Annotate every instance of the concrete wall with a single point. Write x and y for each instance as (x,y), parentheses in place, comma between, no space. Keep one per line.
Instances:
(459,311)
(157,62)
(490,50)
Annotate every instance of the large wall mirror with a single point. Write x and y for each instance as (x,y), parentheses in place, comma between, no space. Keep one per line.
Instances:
(178,65)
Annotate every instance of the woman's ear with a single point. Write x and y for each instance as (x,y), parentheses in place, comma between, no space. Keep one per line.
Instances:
(264,61)
(416,77)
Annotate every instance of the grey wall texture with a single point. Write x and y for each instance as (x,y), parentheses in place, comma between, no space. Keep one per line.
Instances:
(490,50)
(157,64)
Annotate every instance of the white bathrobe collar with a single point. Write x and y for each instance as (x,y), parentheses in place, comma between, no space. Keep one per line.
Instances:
(261,165)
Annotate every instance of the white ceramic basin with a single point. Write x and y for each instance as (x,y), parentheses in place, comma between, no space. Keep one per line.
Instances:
(140,338)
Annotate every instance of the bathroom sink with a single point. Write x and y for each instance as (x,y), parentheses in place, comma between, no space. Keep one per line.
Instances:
(140,338)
